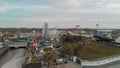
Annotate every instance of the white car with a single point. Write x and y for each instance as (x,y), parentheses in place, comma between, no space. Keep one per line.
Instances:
(59,61)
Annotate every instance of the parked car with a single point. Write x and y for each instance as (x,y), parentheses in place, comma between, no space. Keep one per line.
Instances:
(60,61)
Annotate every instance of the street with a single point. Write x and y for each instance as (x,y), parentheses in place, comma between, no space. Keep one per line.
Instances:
(10,55)
(69,65)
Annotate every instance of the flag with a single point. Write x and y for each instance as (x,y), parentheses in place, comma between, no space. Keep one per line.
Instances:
(35,44)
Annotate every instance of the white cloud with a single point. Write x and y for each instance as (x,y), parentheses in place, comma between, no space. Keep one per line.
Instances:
(112,5)
(3,9)
(75,2)
(70,11)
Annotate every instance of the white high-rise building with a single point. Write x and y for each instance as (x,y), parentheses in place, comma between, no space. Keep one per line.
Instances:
(45,31)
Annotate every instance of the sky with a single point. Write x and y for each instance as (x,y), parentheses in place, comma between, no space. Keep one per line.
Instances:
(60,13)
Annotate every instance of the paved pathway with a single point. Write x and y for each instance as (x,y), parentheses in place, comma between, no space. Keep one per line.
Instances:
(101,62)
(69,65)
(110,65)
(16,63)
(12,59)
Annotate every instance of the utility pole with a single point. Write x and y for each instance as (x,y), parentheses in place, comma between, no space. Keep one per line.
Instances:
(97,27)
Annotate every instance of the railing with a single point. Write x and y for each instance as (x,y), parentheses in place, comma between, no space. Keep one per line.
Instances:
(94,62)
(100,61)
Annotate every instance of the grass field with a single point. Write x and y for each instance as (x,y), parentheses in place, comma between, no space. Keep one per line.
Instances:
(91,50)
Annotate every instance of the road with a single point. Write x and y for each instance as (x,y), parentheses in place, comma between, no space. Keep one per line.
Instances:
(69,65)
(11,54)
(110,65)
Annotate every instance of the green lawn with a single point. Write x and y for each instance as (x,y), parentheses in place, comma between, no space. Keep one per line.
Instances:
(92,50)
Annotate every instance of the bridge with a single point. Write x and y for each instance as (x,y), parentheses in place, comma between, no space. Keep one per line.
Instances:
(18,45)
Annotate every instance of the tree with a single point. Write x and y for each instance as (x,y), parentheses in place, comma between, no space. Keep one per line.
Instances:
(49,56)
(67,49)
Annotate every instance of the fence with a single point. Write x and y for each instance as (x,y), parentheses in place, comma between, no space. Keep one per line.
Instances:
(102,61)
(94,62)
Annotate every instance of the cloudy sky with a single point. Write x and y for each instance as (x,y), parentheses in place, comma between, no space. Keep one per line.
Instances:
(60,13)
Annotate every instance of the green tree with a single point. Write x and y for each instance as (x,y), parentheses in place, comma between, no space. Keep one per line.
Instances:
(67,49)
(49,56)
